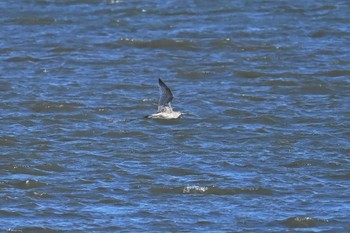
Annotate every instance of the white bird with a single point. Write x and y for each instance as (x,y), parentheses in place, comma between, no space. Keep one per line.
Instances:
(165,111)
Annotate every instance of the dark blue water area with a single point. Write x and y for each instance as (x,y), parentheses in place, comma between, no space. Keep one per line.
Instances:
(262,145)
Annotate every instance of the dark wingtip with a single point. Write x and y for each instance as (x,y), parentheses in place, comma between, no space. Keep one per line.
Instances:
(160,81)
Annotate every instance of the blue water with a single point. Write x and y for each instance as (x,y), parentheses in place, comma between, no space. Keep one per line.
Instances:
(263,145)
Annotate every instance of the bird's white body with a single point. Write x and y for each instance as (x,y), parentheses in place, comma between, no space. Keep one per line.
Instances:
(166,114)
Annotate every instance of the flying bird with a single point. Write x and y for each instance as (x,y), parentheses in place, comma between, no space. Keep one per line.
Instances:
(165,111)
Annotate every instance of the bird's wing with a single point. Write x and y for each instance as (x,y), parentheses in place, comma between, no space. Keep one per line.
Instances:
(165,97)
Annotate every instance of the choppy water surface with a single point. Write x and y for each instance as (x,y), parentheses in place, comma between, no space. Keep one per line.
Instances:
(263,147)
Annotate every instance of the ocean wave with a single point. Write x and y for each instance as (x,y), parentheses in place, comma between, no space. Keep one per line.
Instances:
(39,194)
(50,167)
(23,59)
(211,190)
(7,141)
(31,230)
(167,44)
(30,183)
(304,222)
(32,20)
(51,106)
(335,73)
(23,169)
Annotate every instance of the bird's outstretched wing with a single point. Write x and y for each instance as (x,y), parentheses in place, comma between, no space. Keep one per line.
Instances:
(165,97)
